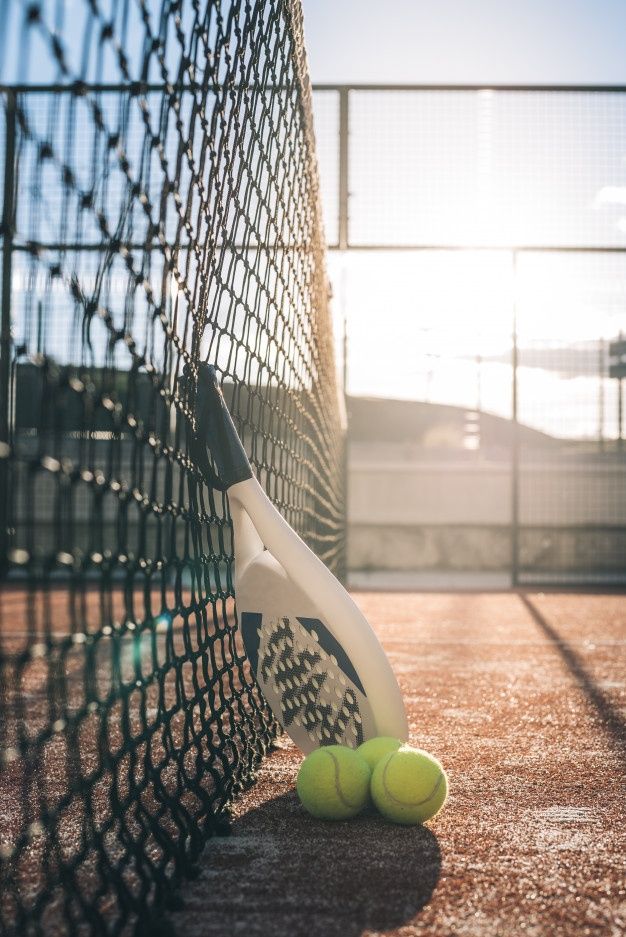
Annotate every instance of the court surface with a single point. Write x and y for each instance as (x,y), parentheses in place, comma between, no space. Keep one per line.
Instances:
(523,697)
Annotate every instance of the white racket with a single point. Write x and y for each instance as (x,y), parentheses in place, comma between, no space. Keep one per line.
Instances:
(319,664)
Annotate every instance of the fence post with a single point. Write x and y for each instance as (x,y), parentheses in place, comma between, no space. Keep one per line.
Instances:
(601,394)
(8,226)
(514,437)
(342,244)
(344,149)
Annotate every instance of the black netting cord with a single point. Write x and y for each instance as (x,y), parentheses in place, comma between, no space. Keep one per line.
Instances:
(160,208)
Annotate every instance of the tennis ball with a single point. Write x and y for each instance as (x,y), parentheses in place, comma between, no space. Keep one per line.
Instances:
(333,783)
(374,749)
(409,786)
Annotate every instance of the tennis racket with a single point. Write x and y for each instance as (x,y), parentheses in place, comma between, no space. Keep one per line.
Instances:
(318,662)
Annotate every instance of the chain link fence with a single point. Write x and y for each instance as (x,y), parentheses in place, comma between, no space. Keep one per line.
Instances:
(478,258)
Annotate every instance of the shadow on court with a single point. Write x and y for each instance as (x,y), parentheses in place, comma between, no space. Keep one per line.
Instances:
(303,875)
(611,719)
(520,697)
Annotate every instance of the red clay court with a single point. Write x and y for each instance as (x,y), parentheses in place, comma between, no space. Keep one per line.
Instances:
(523,698)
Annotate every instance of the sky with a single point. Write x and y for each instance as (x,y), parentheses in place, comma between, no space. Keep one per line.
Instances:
(470,170)
(474,41)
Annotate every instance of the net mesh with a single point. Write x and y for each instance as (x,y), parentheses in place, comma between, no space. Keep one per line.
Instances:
(160,209)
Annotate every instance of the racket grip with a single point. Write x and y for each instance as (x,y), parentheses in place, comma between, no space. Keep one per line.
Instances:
(215,428)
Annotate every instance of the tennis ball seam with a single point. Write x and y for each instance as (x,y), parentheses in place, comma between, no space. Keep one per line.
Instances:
(339,792)
(409,803)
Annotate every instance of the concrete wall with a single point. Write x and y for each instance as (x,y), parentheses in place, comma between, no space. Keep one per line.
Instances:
(428,493)
(472,548)
(450,514)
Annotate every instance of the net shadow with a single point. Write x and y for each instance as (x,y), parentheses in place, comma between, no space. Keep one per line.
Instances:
(609,716)
(349,878)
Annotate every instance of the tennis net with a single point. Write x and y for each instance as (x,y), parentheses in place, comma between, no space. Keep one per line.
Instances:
(160,208)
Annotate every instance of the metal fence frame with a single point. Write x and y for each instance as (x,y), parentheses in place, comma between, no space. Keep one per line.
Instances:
(343,243)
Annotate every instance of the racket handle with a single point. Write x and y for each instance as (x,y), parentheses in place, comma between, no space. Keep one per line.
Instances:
(217,430)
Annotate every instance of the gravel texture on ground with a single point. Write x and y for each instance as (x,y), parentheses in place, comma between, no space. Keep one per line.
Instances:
(523,698)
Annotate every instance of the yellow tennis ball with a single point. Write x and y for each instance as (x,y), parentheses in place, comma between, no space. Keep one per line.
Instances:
(374,749)
(409,786)
(333,783)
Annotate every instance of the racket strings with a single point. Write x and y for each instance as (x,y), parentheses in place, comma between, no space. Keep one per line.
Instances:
(311,689)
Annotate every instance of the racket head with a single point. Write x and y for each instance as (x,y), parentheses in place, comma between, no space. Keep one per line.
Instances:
(299,661)
(304,661)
